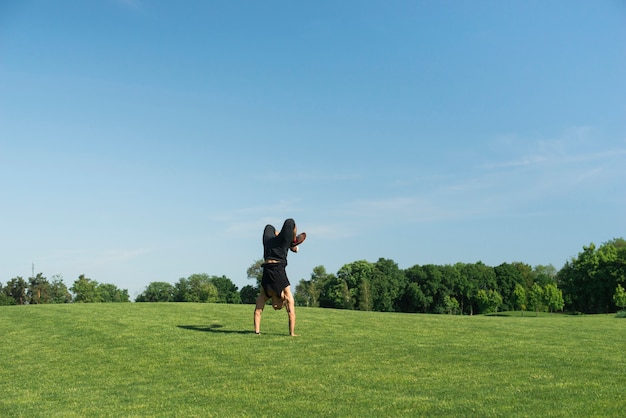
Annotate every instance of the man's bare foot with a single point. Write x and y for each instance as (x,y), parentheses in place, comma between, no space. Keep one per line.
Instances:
(294,335)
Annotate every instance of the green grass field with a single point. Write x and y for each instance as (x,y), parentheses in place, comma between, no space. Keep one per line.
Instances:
(203,360)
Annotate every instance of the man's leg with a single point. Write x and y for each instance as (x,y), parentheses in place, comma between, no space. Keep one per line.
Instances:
(289,230)
(258,310)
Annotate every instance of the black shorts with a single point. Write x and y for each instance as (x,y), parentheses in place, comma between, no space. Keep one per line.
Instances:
(274,278)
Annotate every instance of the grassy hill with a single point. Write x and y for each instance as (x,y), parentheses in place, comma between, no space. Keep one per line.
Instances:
(203,360)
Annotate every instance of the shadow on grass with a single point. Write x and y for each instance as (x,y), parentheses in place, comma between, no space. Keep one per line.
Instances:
(214,328)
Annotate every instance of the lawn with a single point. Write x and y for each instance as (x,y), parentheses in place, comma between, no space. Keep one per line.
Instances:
(186,359)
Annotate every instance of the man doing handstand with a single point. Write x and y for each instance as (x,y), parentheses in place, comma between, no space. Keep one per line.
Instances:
(275,284)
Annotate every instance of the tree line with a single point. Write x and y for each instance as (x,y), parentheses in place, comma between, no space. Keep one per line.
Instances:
(592,282)
(462,288)
(38,290)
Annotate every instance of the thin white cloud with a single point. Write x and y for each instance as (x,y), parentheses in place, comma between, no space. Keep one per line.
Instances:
(245,221)
(118,255)
(558,159)
(577,144)
(523,186)
(310,176)
(87,258)
(400,209)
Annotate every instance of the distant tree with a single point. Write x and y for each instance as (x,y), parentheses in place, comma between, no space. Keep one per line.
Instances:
(58,290)
(110,293)
(182,290)
(452,305)
(365,296)
(413,299)
(536,298)
(85,290)
(353,275)
(526,272)
(5,299)
(347,301)
(451,284)
(38,289)
(589,281)
(326,288)
(488,300)
(255,272)
(16,288)
(476,276)
(553,297)
(195,288)
(620,297)
(315,291)
(157,292)
(520,299)
(333,294)
(496,299)
(465,290)
(307,293)
(508,276)
(544,275)
(430,283)
(387,283)
(248,294)
(227,291)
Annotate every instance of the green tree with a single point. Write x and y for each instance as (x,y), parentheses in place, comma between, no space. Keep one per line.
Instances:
(347,300)
(488,300)
(327,288)
(16,288)
(195,288)
(520,298)
(536,298)
(388,283)
(5,299)
(414,300)
(450,286)
(38,289)
(430,284)
(476,276)
(365,296)
(466,289)
(354,275)
(318,282)
(58,290)
(589,280)
(452,305)
(85,290)
(227,291)
(553,297)
(248,294)
(307,293)
(255,272)
(334,293)
(301,295)
(544,275)
(110,293)
(157,292)
(620,297)
(508,276)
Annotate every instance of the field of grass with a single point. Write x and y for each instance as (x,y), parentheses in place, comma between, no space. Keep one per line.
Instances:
(187,359)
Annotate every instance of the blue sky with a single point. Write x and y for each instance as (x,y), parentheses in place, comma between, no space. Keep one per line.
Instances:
(146,141)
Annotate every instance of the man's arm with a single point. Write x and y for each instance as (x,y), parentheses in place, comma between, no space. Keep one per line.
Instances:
(290,306)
